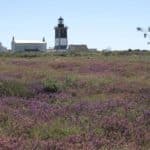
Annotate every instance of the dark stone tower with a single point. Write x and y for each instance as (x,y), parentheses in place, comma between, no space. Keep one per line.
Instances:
(61,37)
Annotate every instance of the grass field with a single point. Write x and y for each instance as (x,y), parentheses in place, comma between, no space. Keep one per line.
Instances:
(75,101)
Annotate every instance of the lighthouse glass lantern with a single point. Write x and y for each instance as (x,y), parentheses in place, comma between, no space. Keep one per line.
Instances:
(61,41)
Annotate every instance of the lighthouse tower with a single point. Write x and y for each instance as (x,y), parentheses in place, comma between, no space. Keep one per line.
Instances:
(61,41)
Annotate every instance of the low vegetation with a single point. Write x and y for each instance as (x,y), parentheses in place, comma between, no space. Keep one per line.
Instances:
(52,86)
(75,100)
(13,88)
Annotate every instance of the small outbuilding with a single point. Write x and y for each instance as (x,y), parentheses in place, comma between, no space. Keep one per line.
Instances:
(82,47)
(78,47)
(26,45)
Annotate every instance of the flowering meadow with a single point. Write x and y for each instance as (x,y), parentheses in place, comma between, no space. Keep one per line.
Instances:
(75,101)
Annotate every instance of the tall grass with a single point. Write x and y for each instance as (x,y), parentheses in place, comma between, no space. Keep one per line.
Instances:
(14,88)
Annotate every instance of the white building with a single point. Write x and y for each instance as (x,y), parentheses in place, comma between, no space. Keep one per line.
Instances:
(2,48)
(24,45)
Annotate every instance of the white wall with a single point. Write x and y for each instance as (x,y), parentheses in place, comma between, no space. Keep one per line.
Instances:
(61,41)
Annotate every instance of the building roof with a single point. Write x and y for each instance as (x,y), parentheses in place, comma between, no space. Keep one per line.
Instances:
(28,42)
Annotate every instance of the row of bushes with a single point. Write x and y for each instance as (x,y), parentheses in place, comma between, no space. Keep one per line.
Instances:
(52,85)
(43,54)
(72,53)
(16,88)
(96,85)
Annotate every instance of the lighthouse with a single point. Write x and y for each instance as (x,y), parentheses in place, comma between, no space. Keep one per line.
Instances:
(61,37)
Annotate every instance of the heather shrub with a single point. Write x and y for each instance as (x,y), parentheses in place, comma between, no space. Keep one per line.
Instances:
(11,127)
(116,127)
(8,126)
(14,88)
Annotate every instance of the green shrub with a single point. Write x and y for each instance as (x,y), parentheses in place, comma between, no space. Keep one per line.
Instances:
(52,85)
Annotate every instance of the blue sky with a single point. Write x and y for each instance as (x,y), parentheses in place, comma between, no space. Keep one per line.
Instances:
(97,23)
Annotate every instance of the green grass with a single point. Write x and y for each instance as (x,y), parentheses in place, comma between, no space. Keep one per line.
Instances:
(57,130)
(14,88)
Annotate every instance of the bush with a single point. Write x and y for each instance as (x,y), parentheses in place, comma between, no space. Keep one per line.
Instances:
(52,85)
